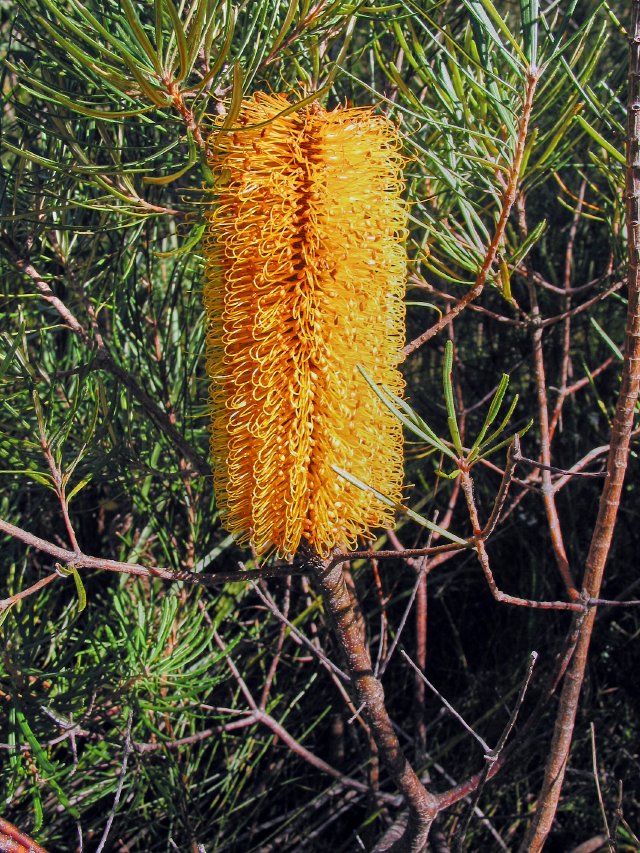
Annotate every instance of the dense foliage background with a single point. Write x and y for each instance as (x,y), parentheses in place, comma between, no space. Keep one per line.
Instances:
(142,714)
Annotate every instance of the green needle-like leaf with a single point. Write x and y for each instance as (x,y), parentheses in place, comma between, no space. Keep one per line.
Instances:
(447,385)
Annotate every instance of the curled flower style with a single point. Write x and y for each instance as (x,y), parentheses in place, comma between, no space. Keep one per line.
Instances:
(305,272)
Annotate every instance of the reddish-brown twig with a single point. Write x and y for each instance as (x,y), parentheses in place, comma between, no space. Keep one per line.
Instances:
(83,561)
(553,520)
(264,595)
(25,593)
(580,309)
(568,391)
(13,840)
(508,199)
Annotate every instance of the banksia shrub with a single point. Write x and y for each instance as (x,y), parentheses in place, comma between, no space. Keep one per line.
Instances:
(305,270)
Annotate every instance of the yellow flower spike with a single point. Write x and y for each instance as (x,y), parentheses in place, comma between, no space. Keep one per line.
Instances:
(305,273)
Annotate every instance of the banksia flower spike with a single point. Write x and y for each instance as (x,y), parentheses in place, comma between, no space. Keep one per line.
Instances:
(305,270)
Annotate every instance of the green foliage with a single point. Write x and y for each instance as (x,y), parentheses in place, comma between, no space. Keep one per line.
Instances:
(118,694)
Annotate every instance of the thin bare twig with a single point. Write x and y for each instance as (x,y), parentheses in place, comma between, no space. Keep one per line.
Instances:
(483,558)
(565,360)
(548,499)
(603,811)
(572,472)
(587,459)
(342,557)
(513,456)
(493,755)
(584,306)
(569,391)
(305,641)
(403,620)
(256,715)
(128,747)
(282,634)
(485,746)
(25,593)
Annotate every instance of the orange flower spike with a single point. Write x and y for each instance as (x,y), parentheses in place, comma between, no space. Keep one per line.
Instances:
(305,272)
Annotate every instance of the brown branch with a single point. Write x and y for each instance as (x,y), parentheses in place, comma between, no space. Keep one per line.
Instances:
(422,566)
(25,593)
(56,474)
(565,360)
(349,630)
(540,281)
(485,746)
(13,840)
(584,306)
(590,457)
(527,321)
(573,472)
(483,557)
(492,756)
(80,560)
(369,554)
(548,499)
(508,199)
(418,281)
(286,623)
(26,267)
(616,468)
(513,456)
(421,644)
(282,635)
(464,789)
(186,114)
(248,719)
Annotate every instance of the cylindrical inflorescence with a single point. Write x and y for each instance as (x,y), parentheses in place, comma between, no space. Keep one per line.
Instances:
(305,274)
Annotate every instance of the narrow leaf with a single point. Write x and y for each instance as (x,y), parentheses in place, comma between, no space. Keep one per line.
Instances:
(615,349)
(529,17)
(503,423)
(45,765)
(410,422)
(423,522)
(494,408)
(597,137)
(82,595)
(141,36)
(528,243)
(181,39)
(448,397)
